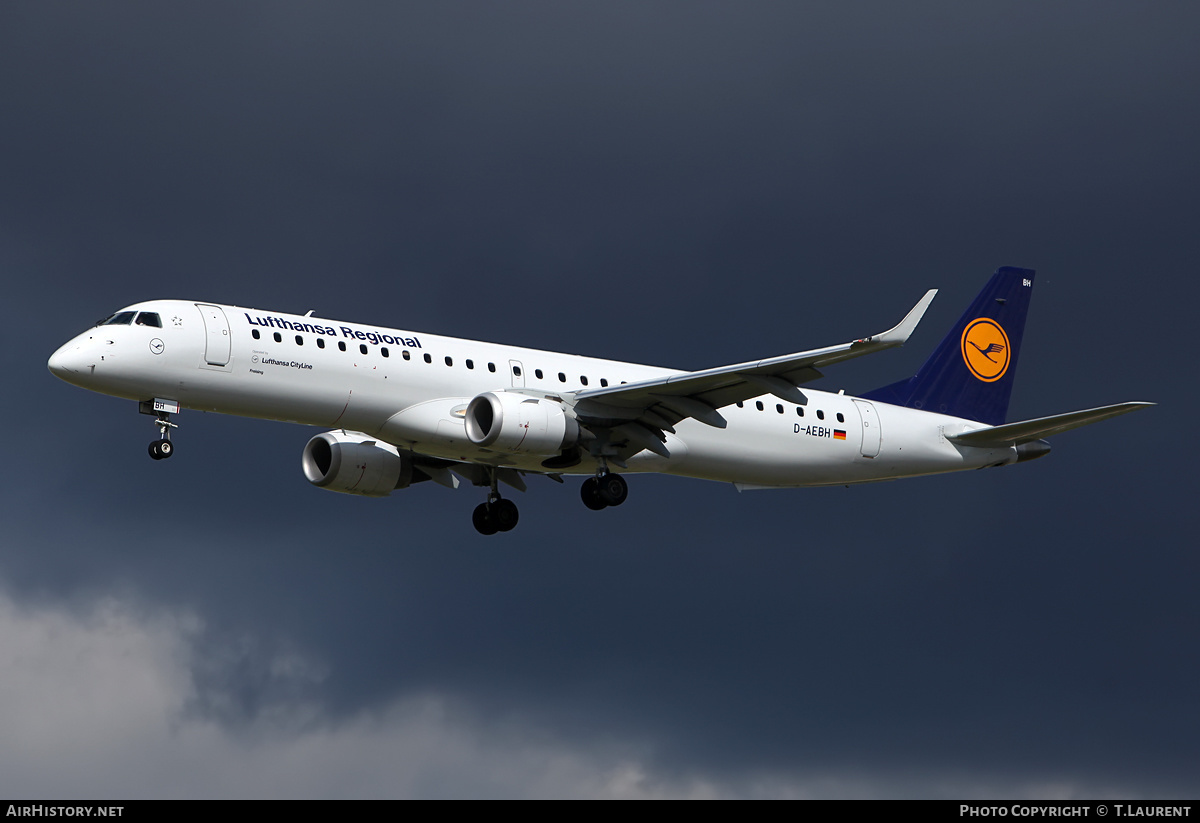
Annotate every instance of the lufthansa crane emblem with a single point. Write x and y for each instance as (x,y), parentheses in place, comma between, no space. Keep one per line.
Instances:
(985,349)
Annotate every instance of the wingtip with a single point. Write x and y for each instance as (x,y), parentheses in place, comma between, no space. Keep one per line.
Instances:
(902,330)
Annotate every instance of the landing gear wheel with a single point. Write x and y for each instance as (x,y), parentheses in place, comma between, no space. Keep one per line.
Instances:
(505,515)
(590,492)
(497,514)
(484,521)
(161,449)
(613,489)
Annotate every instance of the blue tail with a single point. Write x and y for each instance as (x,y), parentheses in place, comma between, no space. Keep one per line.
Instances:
(970,373)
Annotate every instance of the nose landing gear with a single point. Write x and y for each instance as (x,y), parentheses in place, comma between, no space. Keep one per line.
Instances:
(162,448)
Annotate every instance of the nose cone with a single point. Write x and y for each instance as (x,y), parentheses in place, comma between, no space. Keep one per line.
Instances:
(70,363)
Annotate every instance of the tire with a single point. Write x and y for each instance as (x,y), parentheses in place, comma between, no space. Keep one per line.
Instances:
(590,492)
(505,515)
(613,489)
(482,520)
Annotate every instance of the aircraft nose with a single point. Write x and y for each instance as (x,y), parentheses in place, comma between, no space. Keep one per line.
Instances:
(58,362)
(68,363)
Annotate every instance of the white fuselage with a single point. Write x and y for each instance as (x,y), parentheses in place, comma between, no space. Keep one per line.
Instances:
(411,389)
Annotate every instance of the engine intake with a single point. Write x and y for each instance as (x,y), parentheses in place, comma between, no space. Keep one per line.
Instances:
(353,463)
(510,422)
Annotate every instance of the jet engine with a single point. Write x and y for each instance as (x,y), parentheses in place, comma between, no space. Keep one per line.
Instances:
(511,422)
(353,463)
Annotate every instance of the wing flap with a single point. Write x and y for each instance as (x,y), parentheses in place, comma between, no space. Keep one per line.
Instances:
(1026,431)
(438,474)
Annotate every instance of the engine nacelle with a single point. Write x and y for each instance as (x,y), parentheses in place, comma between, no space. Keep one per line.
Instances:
(511,422)
(353,463)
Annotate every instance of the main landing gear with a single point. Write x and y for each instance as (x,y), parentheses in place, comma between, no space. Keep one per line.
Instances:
(162,448)
(604,490)
(497,514)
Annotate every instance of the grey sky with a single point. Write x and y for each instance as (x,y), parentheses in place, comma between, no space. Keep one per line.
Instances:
(681,184)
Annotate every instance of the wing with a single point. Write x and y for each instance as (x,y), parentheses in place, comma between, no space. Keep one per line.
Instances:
(1026,431)
(641,411)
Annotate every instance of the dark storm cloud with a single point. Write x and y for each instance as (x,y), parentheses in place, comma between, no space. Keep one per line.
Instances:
(679,184)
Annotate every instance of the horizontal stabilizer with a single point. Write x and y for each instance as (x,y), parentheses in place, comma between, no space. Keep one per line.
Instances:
(1026,431)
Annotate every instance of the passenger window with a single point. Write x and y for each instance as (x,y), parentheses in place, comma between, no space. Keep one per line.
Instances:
(320,342)
(385,352)
(603,382)
(740,404)
(583,379)
(799,411)
(299,340)
(779,408)
(820,414)
(149,318)
(362,347)
(428,358)
(517,371)
(470,364)
(278,337)
(758,405)
(840,418)
(254,333)
(491,367)
(538,373)
(449,362)
(341,345)
(405,354)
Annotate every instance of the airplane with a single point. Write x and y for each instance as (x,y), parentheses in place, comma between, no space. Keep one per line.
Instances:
(403,407)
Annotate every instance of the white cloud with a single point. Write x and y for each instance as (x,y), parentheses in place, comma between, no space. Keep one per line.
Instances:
(100,703)
(95,703)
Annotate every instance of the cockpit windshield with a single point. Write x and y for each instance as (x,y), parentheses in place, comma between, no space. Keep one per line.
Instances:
(121,318)
(149,318)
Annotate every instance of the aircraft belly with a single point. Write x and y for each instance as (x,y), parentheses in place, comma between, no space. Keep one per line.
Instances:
(312,405)
(769,458)
(766,452)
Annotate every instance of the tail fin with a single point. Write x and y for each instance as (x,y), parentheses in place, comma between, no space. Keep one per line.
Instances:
(970,373)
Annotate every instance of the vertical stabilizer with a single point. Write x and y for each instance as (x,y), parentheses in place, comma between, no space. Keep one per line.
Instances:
(970,374)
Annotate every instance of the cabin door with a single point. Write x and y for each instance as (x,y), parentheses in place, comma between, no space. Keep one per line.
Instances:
(216,335)
(870,428)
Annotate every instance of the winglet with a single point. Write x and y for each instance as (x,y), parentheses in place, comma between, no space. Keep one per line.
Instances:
(899,333)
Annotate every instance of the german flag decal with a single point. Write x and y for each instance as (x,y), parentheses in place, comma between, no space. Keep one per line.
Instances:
(839,434)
